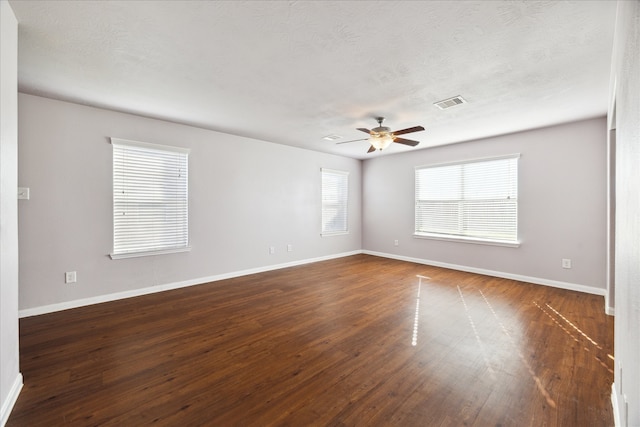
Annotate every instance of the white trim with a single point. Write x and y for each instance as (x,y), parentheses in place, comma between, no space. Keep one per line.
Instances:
(611,311)
(169,286)
(128,142)
(35,311)
(10,401)
(521,278)
(614,404)
(125,255)
(464,239)
(335,171)
(334,233)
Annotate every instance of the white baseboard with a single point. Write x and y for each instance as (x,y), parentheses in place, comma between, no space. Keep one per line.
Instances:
(169,286)
(610,311)
(521,278)
(160,288)
(614,404)
(11,399)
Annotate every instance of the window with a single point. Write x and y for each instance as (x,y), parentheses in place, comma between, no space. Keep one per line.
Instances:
(150,199)
(335,190)
(472,201)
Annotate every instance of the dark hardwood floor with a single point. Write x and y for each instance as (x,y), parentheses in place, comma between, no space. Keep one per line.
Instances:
(356,341)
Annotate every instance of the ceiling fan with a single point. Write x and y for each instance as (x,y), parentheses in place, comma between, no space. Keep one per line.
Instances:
(381,137)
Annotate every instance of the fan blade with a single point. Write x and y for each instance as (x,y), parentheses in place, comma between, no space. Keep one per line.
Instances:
(408,130)
(367,131)
(371,149)
(353,140)
(410,142)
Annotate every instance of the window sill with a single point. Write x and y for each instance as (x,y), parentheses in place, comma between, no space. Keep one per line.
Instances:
(337,233)
(149,253)
(462,239)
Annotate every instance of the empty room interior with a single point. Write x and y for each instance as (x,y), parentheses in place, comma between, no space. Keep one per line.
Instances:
(345,213)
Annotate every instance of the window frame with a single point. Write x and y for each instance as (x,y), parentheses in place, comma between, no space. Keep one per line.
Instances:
(344,203)
(461,237)
(180,216)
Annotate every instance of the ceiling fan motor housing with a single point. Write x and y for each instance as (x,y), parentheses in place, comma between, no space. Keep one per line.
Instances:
(381,130)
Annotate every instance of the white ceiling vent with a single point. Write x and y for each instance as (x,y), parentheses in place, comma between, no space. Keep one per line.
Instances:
(451,102)
(332,137)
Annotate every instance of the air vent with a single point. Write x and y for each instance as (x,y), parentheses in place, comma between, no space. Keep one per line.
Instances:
(451,102)
(332,137)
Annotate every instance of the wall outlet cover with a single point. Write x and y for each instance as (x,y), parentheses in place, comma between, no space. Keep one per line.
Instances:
(70,277)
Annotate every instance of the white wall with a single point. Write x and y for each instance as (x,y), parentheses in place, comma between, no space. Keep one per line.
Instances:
(10,377)
(244,196)
(626,69)
(562,207)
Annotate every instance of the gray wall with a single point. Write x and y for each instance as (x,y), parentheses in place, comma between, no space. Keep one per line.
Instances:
(244,196)
(562,207)
(626,69)
(10,378)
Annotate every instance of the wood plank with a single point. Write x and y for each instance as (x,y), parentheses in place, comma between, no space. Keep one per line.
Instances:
(325,344)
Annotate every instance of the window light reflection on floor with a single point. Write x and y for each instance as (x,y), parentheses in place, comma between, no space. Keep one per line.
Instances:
(414,338)
(574,338)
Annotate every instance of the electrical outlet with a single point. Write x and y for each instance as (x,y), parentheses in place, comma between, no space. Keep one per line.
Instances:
(395,242)
(70,277)
(289,248)
(23,193)
(566,263)
(272,250)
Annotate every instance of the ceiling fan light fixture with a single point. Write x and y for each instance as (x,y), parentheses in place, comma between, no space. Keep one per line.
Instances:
(381,141)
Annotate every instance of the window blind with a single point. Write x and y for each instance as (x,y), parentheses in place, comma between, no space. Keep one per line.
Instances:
(476,200)
(335,190)
(150,198)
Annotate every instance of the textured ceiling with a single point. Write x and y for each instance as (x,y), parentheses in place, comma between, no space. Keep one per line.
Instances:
(292,72)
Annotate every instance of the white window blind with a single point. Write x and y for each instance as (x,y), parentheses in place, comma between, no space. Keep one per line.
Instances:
(335,190)
(475,200)
(150,199)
